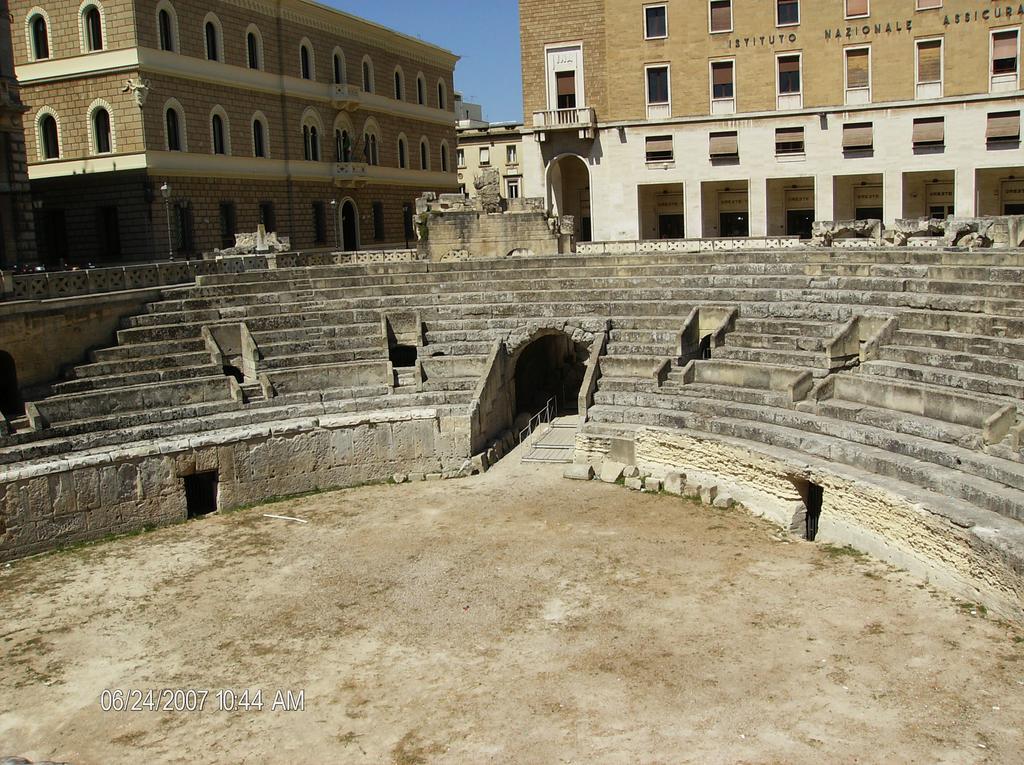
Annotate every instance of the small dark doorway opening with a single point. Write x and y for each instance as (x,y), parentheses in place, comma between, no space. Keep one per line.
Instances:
(201,493)
(1013,208)
(813,496)
(233,371)
(670,226)
(552,366)
(349,231)
(402,355)
(798,223)
(10,396)
(868,213)
(733,224)
(705,347)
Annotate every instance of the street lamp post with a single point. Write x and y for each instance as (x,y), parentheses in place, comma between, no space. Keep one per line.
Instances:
(165,192)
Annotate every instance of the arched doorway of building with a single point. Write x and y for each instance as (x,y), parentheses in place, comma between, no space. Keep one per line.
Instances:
(569,192)
(349,226)
(10,396)
(552,366)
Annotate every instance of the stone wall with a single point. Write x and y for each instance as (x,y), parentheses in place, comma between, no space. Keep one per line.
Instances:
(858,509)
(90,496)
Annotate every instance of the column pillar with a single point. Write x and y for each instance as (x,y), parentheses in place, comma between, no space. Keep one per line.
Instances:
(892,196)
(757,206)
(965,192)
(693,210)
(824,197)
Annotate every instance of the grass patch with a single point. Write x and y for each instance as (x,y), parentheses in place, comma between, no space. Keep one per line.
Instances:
(835,552)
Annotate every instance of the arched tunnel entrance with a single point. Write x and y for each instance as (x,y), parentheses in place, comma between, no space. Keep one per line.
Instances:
(10,397)
(551,366)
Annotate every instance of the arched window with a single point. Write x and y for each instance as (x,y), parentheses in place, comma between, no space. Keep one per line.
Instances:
(254,48)
(175,126)
(402,158)
(40,37)
(217,134)
(101,131)
(214,41)
(167,26)
(424,155)
(421,89)
(367,75)
(49,138)
(311,131)
(306,61)
(92,28)
(374,156)
(339,67)
(444,158)
(442,95)
(399,84)
(259,136)
(371,154)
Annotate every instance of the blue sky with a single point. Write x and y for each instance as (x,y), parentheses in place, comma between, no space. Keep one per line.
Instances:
(485,33)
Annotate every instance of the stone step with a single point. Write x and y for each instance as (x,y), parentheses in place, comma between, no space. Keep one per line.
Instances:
(864,447)
(786,326)
(899,422)
(962,362)
(290,361)
(159,363)
(814,361)
(141,377)
(712,392)
(155,349)
(961,343)
(970,324)
(946,378)
(743,339)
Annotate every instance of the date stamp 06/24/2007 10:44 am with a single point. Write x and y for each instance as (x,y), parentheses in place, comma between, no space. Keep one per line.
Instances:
(194,700)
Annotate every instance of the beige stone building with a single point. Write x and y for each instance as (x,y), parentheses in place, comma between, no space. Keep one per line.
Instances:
(713,118)
(17,233)
(206,118)
(495,146)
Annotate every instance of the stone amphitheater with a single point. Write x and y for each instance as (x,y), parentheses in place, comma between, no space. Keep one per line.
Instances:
(862,395)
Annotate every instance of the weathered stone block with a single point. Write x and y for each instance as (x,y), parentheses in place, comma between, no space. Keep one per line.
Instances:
(652,484)
(708,494)
(579,472)
(611,471)
(675,482)
(636,484)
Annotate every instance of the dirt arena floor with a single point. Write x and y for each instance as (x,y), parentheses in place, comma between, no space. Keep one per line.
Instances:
(510,618)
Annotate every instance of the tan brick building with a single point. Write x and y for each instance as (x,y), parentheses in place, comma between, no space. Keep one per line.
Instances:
(215,116)
(495,146)
(707,118)
(17,233)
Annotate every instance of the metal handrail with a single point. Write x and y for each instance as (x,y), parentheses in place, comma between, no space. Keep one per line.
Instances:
(547,414)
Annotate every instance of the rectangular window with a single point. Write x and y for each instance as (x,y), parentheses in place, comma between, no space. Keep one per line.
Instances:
(858,75)
(485,155)
(856,8)
(565,86)
(227,225)
(789,141)
(720,13)
(787,12)
(924,5)
(511,155)
(378,221)
(460,157)
(858,137)
(724,145)
(184,229)
(722,79)
(789,75)
(929,132)
(512,188)
(1004,56)
(319,223)
(655,22)
(109,232)
(929,68)
(1003,129)
(659,148)
(658,98)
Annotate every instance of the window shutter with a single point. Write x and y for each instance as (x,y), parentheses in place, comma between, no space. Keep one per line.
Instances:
(724,145)
(929,61)
(858,136)
(721,15)
(566,83)
(856,7)
(659,144)
(1004,45)
(789,64)
(857,68)
(721,73)
(1003,125)
(929,131)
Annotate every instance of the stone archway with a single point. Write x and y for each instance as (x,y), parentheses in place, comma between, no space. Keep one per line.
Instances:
(548,364)
(568,188)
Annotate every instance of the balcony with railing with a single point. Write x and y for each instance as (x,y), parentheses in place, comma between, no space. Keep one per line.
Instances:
(344,97)
(581,119)
(350,174)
